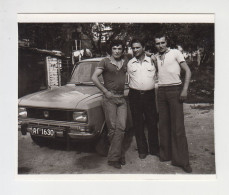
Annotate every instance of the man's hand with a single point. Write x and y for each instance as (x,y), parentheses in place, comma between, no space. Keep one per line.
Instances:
(108,94)
(148,53)
(183,95)
(153,58)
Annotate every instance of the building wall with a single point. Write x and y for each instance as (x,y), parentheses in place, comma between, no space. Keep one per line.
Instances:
(31,72)
(32,76)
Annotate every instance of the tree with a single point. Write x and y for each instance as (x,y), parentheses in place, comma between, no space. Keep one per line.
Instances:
(58,36)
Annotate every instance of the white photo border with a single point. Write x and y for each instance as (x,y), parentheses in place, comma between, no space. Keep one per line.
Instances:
(10,185)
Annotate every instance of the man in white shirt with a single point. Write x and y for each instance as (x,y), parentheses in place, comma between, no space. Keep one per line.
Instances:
(142,99)
(171,94)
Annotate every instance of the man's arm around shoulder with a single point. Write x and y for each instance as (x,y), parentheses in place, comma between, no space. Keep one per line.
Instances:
(154,62)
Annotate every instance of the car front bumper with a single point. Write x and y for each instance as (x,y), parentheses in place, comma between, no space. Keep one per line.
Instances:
(62,129)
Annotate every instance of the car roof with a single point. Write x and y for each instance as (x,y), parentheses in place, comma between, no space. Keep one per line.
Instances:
(92,60)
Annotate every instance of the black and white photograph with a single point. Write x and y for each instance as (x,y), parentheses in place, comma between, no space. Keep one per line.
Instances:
(114,97)
(127,98)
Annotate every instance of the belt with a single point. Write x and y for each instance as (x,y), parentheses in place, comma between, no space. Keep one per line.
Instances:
(141,91)
(117,92)
(170,87)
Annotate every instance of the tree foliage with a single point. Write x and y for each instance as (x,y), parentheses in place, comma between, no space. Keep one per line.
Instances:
(58,36)
(190,36)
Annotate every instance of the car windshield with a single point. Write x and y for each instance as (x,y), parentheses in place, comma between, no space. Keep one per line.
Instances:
(83,72)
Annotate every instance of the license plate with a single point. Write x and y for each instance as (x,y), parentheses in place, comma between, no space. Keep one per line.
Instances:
(43,132)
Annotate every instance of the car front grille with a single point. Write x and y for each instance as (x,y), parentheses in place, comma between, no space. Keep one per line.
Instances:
(59,115)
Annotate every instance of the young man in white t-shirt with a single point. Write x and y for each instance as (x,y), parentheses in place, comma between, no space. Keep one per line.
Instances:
(171,95)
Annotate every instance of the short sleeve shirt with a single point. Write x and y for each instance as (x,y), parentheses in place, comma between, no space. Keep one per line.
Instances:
(114,76)
(169,67)
(142,75)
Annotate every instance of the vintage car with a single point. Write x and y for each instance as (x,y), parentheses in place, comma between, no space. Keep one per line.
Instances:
(70,112)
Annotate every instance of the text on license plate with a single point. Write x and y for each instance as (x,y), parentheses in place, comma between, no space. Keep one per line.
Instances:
(43,131)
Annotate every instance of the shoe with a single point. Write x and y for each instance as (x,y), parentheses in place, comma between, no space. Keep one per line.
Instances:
(115,164)
(155,154)
(142,156)
(122,161)
(187,169)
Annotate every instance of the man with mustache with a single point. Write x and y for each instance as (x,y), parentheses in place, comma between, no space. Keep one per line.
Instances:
(141,73)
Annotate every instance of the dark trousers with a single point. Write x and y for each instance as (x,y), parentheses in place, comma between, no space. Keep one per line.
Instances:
(143,109)
(115,110)
(173,141)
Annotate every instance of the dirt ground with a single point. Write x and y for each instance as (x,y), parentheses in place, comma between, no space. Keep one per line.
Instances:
(54,159)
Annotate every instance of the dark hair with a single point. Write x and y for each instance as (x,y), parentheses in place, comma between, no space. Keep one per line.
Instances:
(138,40)
(116,42)
(167,39)
(160,35)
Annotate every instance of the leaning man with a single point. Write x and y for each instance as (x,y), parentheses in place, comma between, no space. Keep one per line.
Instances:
(171,94)
(113,70)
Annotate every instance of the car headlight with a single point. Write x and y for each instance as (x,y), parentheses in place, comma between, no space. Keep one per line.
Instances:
(80,116)
(22,112)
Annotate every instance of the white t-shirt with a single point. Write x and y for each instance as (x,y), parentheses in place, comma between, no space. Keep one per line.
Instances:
(169,67)
(142,76)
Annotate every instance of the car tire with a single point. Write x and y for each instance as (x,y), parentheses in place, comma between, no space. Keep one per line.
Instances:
(102,144)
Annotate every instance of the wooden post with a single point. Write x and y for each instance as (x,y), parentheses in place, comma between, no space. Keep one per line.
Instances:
(47,71)
(76,44)
(59,73)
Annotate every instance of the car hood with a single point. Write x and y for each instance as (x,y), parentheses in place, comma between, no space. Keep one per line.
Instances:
(65,97)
